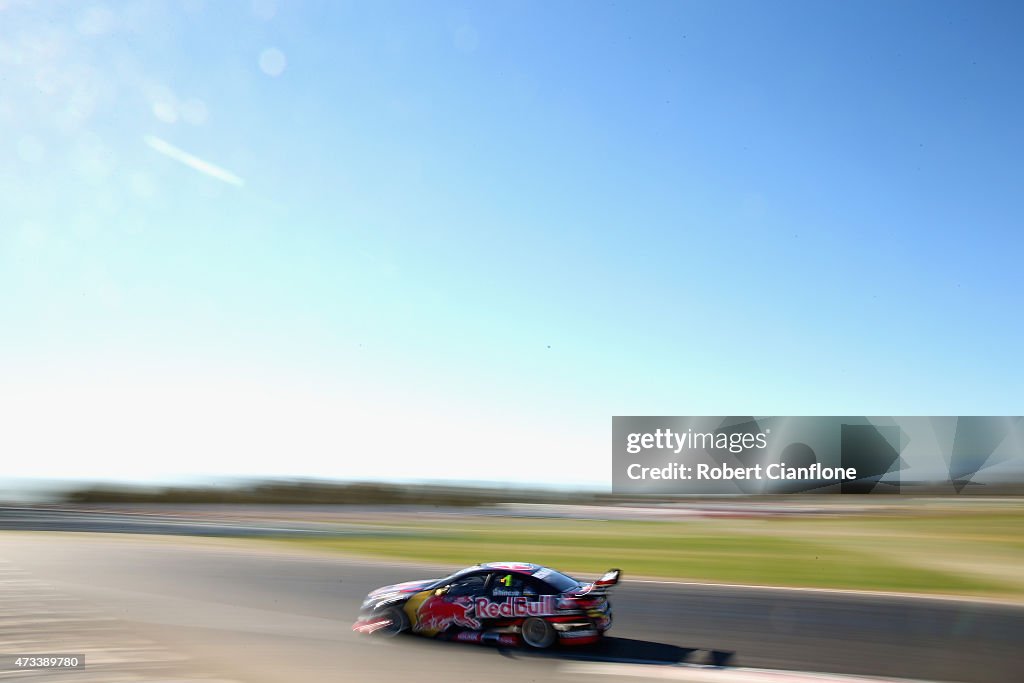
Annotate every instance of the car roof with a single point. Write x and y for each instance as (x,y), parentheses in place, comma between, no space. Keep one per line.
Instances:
(552,577)
(520,567)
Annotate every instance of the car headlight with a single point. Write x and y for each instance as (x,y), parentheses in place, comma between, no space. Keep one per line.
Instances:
(379,601)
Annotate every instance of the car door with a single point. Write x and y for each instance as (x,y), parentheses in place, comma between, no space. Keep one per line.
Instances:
(504,595)
(513,596)
(448,607)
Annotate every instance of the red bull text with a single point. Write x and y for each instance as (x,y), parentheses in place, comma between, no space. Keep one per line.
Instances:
(515,607)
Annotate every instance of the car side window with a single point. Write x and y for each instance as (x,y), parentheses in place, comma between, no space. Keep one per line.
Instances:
(538,587)
(507,585)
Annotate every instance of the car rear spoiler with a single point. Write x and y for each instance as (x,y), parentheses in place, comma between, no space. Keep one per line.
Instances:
(610,578)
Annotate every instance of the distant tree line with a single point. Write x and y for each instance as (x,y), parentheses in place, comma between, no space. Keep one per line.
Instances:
(305,492)
(327,493)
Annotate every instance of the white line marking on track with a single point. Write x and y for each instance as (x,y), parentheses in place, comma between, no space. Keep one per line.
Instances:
(703,674)
(837,591)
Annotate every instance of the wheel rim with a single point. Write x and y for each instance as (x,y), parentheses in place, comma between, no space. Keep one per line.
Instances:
(393,628)
(537,633)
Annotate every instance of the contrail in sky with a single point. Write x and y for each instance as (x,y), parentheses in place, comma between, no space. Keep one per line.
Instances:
(169,150)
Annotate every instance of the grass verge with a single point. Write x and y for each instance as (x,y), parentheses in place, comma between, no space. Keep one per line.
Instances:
(961,553)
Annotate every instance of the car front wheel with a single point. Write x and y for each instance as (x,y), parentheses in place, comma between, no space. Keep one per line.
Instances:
(398,622)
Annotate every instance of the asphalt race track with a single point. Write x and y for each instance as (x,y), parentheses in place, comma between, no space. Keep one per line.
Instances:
(156,608)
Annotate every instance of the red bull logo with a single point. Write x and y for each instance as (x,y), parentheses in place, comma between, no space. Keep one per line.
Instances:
(515,607)
(438,613)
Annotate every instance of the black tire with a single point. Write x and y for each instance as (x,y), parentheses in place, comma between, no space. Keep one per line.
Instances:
(538,633)
(399,622)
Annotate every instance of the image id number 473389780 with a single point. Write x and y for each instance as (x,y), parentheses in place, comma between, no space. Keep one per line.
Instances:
(42,661)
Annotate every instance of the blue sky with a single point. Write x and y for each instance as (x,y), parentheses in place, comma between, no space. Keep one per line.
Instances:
(423,239)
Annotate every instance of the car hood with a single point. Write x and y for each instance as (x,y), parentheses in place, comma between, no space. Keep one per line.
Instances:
(402,588)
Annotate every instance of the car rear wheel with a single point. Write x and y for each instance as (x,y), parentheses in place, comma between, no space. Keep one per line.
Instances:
(538,633)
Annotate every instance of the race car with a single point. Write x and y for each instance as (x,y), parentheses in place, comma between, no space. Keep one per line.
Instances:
(506,603)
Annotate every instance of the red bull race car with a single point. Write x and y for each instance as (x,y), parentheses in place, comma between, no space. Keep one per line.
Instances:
(506,603)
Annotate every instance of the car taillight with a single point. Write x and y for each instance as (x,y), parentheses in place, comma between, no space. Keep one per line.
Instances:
(579,603)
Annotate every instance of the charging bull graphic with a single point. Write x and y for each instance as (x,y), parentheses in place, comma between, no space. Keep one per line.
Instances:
(437,613)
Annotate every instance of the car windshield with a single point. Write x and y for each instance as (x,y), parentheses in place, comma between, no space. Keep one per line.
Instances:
(452,577)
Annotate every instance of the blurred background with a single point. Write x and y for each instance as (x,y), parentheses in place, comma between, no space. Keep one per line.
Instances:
(301,298)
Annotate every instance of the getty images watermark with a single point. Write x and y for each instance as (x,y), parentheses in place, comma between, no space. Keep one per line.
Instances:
(756,455)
